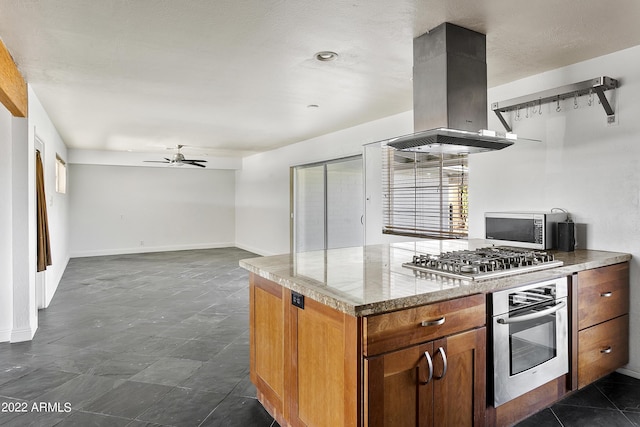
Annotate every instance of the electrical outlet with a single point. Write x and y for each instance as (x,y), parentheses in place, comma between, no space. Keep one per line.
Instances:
(141,242)
(297,300)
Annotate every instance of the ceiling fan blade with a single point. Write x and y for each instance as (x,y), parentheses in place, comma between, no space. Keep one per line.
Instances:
(156,161)
(192,162)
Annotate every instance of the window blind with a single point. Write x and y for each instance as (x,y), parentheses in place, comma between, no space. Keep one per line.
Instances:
(425,195)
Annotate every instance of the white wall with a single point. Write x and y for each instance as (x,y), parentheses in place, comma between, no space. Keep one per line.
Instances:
(25,310)
(123,209)
(262,186)
(582,165)
(18,305)
(57,204)
(6,227)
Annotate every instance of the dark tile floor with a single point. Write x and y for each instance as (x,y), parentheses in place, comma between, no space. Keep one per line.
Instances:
(138,340)
(610,402)
(162,340)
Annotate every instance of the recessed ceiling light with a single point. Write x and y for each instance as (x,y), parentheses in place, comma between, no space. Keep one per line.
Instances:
(326,55)
(313,106)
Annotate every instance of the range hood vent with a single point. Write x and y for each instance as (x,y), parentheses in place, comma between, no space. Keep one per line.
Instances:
(450,94)
(450,141)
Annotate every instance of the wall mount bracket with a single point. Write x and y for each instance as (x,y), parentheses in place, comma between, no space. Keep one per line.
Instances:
(597,85)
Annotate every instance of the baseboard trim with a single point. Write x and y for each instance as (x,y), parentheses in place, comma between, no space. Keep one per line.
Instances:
(629,372)
(254,250)
(5,335)
(148,249)
(24,334)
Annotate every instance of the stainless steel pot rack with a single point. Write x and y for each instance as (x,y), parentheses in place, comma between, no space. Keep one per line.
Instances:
(597,85)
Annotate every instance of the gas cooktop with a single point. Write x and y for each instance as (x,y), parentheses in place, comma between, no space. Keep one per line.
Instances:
(484,263)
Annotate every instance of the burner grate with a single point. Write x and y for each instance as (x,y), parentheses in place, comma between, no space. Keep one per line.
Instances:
(484,262)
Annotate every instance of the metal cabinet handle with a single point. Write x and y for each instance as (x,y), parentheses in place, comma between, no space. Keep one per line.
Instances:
(430,364)
(606,294)
(436,322)
(606,350)
(442,353)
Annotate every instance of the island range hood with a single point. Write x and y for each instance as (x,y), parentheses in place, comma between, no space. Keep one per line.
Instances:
(450,95)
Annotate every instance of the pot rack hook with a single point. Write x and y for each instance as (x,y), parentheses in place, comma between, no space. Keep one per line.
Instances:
(558,109)
(540,106)
(575,100)
(590,100)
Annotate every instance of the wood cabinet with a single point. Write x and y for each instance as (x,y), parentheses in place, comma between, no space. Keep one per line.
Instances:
(602,321)
(267,338)
(391,331)
(324,362)
(404,388)
(305,363)
(440,379)
(603,348)
(316,366)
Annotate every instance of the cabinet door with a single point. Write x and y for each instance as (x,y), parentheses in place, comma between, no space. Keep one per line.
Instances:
(455,395)
(460,394)
(267,335)
(394,393)
(324,364)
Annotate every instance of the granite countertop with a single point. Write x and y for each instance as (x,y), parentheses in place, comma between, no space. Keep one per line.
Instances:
(368,280)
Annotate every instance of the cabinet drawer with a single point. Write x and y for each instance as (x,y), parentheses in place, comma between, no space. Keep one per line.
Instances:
(602,349)
(392,331)
(603,293)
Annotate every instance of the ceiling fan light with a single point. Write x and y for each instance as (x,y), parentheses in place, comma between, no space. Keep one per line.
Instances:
(178,159)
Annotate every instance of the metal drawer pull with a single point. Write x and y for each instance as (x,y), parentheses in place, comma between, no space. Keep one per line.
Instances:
(606,350)
(532,316)
(436,322)
(606,294)
(444,362)
(430,363)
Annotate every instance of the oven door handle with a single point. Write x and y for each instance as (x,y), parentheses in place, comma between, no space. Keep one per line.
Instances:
(532,316)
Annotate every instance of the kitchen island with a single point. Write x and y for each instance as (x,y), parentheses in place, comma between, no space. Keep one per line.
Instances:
(337,336)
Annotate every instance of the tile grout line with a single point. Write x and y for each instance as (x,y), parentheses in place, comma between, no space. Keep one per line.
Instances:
(615,406)
(556,416)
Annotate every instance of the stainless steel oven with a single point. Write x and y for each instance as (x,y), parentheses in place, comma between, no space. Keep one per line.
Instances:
(530,337)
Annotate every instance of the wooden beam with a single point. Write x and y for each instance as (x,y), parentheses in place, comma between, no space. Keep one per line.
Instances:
(13,88)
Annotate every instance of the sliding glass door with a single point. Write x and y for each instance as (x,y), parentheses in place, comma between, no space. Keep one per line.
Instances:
(328,205)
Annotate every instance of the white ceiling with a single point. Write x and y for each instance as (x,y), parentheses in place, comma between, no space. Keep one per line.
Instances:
(236,76)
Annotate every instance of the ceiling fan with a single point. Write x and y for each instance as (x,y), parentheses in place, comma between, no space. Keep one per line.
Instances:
(179,160)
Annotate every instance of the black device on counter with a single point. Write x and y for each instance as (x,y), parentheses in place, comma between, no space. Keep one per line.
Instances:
(566,236)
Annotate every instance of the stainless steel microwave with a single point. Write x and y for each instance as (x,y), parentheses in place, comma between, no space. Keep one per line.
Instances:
(533,230)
